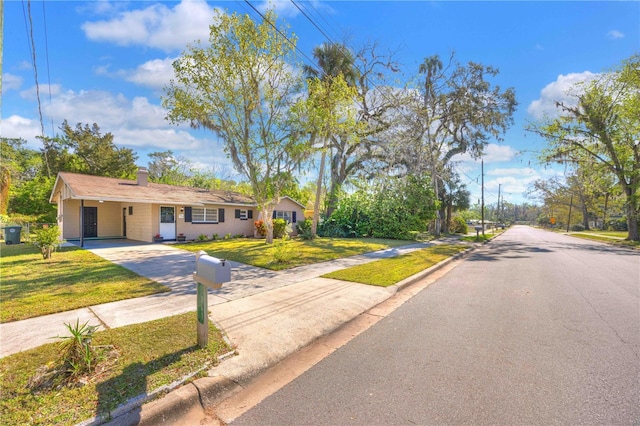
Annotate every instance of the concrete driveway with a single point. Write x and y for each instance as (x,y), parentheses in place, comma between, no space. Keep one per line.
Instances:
(173,267)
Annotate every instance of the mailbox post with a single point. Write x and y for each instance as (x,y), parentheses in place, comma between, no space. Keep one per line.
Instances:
(211,272)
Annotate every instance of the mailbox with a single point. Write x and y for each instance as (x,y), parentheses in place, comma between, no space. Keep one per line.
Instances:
(211,271)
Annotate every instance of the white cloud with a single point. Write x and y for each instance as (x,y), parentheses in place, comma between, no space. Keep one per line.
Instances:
(156,26)
(155,73)
(493,153)
(108,110)
(615,35)
(31,93)
(558,91)
(526,171)
(20,127)
(284,8)
(10,82)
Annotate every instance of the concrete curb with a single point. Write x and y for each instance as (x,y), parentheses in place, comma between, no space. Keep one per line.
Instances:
(202,394)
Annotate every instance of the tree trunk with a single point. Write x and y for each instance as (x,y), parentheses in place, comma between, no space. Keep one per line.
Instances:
(632,215)
(267,214)
(585,213)
(316,204)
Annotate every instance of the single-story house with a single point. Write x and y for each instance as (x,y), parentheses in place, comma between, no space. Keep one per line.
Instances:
(101,207)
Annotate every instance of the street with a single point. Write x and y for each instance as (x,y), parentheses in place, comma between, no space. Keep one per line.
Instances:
(532,328)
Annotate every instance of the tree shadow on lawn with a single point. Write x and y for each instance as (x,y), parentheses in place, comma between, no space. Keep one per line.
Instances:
(131,387)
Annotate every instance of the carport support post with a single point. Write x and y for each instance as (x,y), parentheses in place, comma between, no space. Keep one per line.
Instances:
(82,223)
(203,317)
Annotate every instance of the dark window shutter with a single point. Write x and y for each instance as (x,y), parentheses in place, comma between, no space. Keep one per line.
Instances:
(237,213)
(187,214)
(250,214)
(294,217)
(274,214)
(220,215)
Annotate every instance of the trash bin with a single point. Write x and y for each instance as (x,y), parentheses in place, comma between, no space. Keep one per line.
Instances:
(12,234)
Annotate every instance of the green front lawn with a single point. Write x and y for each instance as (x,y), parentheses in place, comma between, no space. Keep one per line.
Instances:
(256,252)
(72,278)
(386,272)
(137,359)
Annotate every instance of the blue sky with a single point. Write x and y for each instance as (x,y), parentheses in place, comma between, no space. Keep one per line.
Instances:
(107,62)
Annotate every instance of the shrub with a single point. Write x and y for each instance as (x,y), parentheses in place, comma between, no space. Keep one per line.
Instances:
(279,228)
(227,236)
(202,237)
(304,229)
(577,227)
(617,225)
(261,228)
(459,226)
(282,250)
(47,240)
(215,237)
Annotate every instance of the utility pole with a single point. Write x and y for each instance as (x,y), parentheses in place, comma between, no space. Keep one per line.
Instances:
(482,205)
(499,186)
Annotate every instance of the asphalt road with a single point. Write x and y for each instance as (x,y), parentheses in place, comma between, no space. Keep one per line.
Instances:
(534,328)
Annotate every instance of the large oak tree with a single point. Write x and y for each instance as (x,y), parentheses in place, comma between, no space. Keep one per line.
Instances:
(243,86)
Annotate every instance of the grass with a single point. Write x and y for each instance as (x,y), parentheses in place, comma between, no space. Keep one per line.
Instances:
(72,278)
(144,357)
(256,252)
(610,237)
(386,272)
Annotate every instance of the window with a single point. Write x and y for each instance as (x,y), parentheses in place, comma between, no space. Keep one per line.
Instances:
(244,214)
(280,214)
(203,214)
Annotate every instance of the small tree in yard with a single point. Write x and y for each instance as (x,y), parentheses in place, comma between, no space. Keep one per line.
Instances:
(47,240)
(243,86)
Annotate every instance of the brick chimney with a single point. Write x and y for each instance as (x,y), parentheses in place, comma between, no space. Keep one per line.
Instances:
(143,176)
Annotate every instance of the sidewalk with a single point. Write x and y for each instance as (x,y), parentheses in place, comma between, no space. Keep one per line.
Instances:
(173,268)
(267,315)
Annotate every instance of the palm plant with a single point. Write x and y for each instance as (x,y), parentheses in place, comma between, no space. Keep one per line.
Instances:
(334,61)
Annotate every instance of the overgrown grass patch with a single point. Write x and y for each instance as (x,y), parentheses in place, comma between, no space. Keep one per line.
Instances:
(137,359)
(256,252)
(72,278)
(386,272)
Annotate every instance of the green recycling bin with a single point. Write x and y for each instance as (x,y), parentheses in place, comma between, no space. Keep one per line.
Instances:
(12,234)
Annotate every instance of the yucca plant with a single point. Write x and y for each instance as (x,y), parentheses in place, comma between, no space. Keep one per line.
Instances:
(77,354)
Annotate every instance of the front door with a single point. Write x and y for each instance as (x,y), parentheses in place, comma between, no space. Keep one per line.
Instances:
(168,222)
(90,225)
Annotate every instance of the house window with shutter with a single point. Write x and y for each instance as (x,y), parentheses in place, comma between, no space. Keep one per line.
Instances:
(204,215)
(244,214)
(282,214)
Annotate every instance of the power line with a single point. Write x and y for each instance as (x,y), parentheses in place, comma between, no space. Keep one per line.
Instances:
(306,4)
(33,56)
(312,22)
(264,18)
(46,47)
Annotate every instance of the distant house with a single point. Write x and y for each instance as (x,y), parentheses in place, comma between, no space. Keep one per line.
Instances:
(100,207)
